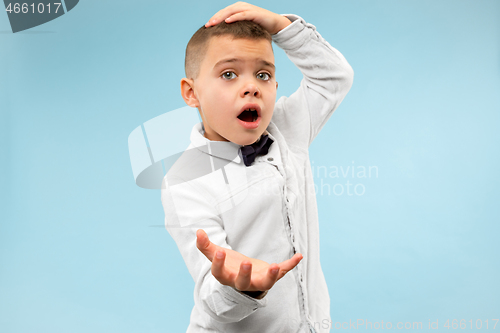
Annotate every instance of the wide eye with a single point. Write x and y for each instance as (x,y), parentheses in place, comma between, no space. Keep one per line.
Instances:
(228,75)
(264,76)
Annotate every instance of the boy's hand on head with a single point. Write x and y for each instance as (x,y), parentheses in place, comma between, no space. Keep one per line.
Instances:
(233,269)
(240,11)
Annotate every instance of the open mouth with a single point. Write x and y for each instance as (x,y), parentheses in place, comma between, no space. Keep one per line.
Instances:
(249,115)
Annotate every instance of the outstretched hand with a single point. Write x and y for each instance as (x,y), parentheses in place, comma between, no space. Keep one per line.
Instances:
(233,269)
(239,11)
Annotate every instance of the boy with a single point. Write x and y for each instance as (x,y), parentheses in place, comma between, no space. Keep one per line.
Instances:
(242,195)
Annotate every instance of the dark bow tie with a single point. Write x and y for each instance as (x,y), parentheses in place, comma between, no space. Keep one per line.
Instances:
(258,148)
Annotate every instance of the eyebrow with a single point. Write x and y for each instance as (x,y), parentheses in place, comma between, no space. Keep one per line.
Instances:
(262,61)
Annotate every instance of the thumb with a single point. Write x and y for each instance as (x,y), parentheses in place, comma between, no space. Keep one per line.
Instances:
(289,264)
(204,244)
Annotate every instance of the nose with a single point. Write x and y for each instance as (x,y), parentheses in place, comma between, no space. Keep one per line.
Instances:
(250,89)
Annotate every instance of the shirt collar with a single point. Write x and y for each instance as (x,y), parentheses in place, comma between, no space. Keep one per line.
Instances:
(223,149)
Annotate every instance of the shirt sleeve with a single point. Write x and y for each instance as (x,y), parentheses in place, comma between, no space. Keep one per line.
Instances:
(327,77)
(188,208)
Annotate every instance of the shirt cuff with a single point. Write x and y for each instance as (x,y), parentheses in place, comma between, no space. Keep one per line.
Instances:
(241,298)
(226,304)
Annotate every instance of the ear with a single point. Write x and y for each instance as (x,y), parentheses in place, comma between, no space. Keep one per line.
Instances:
(276,85)
(187,92)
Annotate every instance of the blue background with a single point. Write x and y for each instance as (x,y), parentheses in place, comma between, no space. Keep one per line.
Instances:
(82,248)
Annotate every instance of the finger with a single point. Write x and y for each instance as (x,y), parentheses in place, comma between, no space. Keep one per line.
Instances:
(240,16)
(228,11)
(218,270)
(289,264)
(271,277)
(205,245)
(219,17)
(222,14)
(243,279)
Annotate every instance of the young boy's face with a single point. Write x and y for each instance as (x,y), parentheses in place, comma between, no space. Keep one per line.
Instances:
(236,75)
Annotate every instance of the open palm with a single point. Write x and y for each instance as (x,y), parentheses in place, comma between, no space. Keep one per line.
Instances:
(243,273)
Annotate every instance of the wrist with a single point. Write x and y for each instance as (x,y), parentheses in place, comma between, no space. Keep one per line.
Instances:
(283,23)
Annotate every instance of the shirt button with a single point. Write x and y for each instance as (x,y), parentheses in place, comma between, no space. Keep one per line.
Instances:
(270,159)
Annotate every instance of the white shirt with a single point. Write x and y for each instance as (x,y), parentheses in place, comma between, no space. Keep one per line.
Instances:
(266,211)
